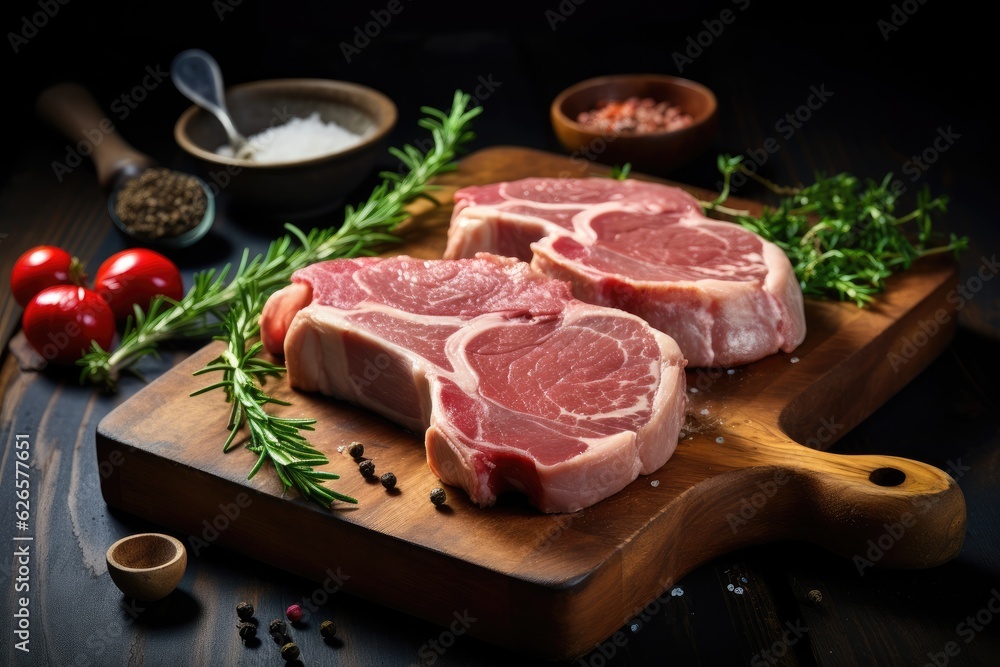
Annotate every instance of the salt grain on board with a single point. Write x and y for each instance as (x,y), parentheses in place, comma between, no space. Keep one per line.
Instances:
(298,139)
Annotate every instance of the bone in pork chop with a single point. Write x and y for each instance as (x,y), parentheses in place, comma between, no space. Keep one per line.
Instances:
(726,295)
(516,384)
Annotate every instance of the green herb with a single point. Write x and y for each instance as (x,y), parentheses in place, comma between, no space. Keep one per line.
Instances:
(275,439)
(622,172)
(200,313)
(843,235)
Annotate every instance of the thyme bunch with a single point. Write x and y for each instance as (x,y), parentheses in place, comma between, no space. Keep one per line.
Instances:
(842,234)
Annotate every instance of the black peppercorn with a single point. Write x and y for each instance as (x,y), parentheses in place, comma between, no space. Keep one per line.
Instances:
(247,630)
(289,651)
(245,611)
(161,203)
(356,450)
(388,480)
(327,629)
(367,468)
(278,630)
(438,496)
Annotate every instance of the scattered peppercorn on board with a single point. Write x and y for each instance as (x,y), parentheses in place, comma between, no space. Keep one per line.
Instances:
(751,468)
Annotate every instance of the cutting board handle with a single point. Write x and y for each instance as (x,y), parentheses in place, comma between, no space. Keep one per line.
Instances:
(883,510)
(70,108)
(877,510)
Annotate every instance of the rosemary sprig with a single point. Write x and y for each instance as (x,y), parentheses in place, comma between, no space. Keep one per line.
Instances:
(842,234)
(202,310)
(275,439)
(621,172)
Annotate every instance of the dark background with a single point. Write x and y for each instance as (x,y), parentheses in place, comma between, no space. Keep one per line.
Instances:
(896,88)
(935,70)
(891,98)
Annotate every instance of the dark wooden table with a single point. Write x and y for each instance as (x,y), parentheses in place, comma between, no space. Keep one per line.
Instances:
(876,91)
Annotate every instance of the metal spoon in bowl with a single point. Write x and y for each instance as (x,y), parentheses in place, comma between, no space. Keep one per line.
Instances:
(197,75)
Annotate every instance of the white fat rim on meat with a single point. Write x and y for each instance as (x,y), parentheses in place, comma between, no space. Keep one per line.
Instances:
(471,230)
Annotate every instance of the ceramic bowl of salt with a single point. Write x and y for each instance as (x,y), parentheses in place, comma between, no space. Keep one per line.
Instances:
(315,141)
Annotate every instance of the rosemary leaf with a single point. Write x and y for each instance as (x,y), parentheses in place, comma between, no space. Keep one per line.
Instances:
(275,439)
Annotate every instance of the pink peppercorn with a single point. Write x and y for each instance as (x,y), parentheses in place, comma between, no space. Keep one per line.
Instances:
(294,613)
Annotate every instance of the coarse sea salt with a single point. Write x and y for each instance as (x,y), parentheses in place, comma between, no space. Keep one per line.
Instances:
(298,139)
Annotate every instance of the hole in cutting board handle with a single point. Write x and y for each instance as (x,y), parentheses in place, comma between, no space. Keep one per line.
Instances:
(887,476)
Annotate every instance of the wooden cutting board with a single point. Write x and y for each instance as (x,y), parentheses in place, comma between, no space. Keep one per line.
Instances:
(749,469)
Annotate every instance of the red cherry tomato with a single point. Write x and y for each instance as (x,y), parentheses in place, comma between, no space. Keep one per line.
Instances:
(135,276)
(40,267)
(60,321)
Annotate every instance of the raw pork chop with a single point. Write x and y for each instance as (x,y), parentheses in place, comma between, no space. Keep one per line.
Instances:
(518,385)
(726,295)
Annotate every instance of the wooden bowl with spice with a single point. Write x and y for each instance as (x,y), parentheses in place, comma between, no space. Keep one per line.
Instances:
(162,208)
(315,139)
(654,122)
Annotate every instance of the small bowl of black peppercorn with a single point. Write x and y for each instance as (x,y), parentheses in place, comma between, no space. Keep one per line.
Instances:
(162,208)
